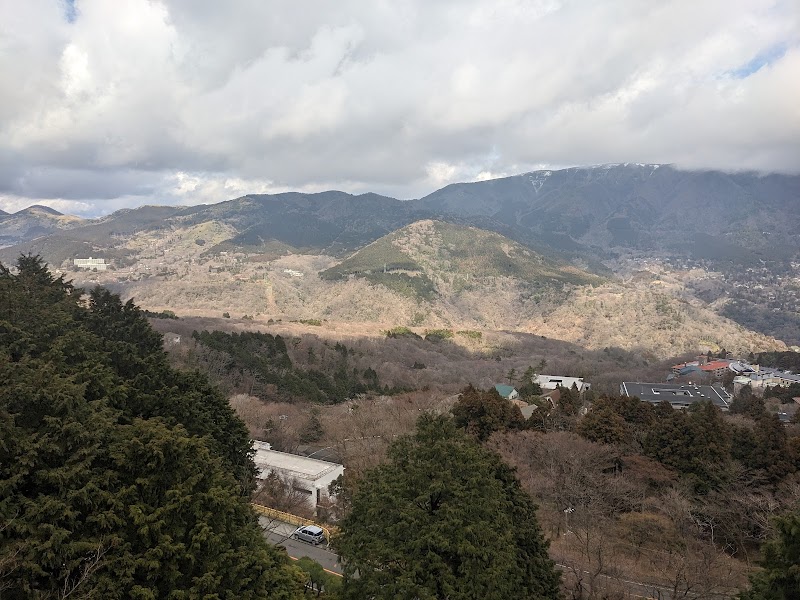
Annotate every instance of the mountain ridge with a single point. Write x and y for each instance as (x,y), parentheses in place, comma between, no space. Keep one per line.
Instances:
(592,220)
(591,213)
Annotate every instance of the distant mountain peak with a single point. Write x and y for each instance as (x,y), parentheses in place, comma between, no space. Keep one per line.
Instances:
(39,209)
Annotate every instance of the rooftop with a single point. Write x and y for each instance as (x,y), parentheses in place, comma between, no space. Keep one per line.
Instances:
(293,464)
(504,390)
(677,394)
(714,365)
(766,372)
(549,382)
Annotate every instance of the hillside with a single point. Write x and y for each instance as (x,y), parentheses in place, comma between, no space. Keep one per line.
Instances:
(499,254)
(430,257)
(33,222)
(437,276)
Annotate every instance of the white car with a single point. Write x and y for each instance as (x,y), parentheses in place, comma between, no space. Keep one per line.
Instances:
(309,533)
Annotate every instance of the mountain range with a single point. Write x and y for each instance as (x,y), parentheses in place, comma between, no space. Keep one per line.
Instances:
(589,212)
(516,249)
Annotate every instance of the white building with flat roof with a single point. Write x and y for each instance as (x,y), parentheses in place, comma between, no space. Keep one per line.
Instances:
(91,263)
(551,382)
(308,475)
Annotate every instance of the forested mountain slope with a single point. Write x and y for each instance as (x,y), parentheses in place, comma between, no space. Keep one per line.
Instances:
(650,208)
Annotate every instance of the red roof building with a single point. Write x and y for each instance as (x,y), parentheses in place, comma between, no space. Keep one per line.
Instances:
(718,368)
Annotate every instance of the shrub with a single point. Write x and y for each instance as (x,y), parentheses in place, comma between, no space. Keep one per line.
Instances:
(438,335)
(401,332)
(471,334)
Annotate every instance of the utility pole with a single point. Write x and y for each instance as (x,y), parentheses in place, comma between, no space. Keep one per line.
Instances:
(567,511)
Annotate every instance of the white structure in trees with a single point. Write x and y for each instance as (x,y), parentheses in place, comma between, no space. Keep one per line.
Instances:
(308,475)
(551,382)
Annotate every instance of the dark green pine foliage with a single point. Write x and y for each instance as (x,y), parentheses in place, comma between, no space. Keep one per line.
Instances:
(119,478)
(604,425)
(445,518)
(769,457)
(694,442)
(780,577)
(265,358)
(481,413)
(153,389)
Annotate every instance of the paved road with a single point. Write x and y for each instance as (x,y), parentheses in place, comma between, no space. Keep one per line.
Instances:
(280,535)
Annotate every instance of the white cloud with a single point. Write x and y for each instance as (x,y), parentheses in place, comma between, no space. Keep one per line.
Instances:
(188,101)
(12,204)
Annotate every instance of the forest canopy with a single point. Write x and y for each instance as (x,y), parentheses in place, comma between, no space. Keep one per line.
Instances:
(119,476)
(444,518)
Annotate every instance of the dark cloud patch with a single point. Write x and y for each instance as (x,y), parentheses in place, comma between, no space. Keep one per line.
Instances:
(82,184)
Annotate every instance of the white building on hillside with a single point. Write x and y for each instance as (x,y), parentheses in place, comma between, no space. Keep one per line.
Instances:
(91,263)
(551,382)
(308,475)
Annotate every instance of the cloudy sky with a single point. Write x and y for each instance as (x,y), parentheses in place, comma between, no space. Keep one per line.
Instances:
(113,103)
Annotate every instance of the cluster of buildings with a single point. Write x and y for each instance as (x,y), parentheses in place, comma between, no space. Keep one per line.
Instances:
(682,388)
(551,386)
(682,395)
(743,373)
(761,377)
(715,368)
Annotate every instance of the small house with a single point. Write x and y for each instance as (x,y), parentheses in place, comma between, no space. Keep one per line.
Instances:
(506,391)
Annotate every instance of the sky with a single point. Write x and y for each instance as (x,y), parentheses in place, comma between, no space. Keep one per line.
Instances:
(106,104)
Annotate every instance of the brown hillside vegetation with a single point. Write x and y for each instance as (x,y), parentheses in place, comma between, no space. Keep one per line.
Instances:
(426,275)
(173,272)
(445,365)
(640,524)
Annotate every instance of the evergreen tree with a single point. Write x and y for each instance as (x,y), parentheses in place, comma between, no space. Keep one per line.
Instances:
(527,386)
(482,413)
(312,430)
(780,577)
(604,425)
(770,456)
(119,478)
(511,376)
(695,442)
(444,518)
(746,403)
(569,400)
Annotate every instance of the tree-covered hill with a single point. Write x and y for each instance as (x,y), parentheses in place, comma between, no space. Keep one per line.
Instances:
(435,256)
(119,477)
(263,360)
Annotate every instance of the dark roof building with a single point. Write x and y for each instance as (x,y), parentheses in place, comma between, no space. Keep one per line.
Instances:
(678,395)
